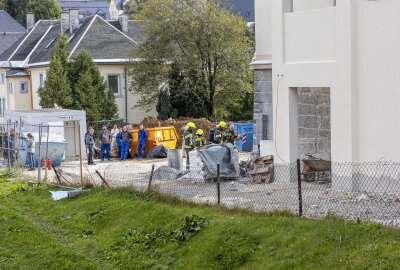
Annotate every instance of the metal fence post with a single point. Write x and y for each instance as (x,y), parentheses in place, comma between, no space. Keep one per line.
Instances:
(39,157)
(16,147)
(187,161)
(8,147)
(151,177)
(218,184)
(299,188)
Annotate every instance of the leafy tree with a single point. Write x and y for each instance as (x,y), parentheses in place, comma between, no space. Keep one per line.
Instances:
(207,43)
(43,9)
(164,107)
(57,87)
(90,92)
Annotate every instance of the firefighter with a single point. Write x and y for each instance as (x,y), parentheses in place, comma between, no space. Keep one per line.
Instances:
(219,133)
(188,137)
(199,141)
(230,136)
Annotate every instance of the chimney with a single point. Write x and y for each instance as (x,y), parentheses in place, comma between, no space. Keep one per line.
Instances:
(73,19)
(123,21)
(30,21)
(64,21)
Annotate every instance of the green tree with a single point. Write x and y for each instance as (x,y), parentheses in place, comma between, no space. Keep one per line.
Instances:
(57,87)
(207,43)
(89,91)
(43,9)
(164,108)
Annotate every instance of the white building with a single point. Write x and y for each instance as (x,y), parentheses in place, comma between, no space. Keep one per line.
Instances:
(334,88)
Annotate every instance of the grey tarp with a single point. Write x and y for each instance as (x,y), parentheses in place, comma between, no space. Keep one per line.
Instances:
(226,156)
(160,151)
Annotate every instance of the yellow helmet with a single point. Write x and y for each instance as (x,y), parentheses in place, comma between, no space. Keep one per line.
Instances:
(222,124)
(190,125)
(199,132)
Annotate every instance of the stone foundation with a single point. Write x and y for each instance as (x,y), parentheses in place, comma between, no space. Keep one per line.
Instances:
(314,120)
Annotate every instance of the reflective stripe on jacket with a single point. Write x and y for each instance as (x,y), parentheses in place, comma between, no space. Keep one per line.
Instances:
(199,141)
(188,139)
(218,136)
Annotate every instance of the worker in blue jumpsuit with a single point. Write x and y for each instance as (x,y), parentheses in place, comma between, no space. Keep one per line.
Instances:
(142,138)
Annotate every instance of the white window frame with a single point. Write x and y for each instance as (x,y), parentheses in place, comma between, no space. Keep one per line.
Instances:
(119,94)
(10,88)
(2,78)
(41,80)
(2,106)
(20,87)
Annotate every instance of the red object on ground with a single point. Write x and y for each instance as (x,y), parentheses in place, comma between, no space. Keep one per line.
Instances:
(49,164)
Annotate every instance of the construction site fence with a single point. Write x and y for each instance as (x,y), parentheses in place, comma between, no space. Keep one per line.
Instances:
(353,191)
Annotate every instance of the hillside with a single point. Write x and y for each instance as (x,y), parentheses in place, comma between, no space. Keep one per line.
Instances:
(123,230)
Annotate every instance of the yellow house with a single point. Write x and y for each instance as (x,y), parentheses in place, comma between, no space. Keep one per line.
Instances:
(109,42)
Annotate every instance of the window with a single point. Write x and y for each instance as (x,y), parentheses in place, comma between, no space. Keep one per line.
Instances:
(114,84)
(41,80)
(2,78)
(24,87)
(10,88)
(2,106)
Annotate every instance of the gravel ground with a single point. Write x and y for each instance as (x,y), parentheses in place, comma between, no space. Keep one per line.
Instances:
(319,200)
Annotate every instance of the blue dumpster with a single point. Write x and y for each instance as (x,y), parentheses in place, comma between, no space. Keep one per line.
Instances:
(241,129)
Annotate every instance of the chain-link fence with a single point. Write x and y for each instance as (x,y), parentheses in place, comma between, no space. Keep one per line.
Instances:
(355,191)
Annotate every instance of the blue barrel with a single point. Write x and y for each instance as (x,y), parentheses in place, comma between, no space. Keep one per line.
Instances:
(244,129)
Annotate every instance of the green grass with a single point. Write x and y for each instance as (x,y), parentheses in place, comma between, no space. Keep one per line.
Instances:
(123,230)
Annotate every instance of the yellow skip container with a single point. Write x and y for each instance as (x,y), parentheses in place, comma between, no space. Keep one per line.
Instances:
(166,136)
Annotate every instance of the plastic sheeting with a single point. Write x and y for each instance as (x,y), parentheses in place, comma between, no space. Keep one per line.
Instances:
(160,151)
(215,154)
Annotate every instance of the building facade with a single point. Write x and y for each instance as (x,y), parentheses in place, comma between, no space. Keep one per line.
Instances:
(109,43)
(327,79)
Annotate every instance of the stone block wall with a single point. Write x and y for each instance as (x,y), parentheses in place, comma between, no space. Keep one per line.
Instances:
(262,104)
(314,120)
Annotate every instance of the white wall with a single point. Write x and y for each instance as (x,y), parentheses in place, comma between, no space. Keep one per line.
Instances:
(378,80)
(353,49)
(316,38)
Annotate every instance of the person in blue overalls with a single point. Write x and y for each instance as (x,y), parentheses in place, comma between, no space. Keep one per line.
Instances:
(142,138)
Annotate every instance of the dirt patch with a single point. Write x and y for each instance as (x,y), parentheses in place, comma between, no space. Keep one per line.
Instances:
(179,124)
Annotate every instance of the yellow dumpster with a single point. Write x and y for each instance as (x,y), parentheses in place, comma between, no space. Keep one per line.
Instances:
(166,136)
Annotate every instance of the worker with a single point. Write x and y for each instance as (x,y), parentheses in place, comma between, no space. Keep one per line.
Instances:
(219,133)
(199,141)
(230,136)
(142,138)
(188,137)
(89,142)
(126,138)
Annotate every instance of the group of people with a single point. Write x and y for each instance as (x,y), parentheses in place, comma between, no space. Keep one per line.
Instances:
(10,144)
(115,142)
(220,135)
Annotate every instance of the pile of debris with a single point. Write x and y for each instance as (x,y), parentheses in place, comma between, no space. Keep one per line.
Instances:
(263,171)
(203,165)
(179,124)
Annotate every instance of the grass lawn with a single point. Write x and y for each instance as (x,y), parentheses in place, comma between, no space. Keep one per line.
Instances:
(123,230)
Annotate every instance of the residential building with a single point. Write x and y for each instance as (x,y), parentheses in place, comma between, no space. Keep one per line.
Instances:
(10,31)
(109,43)
(107,9)
(327,79)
